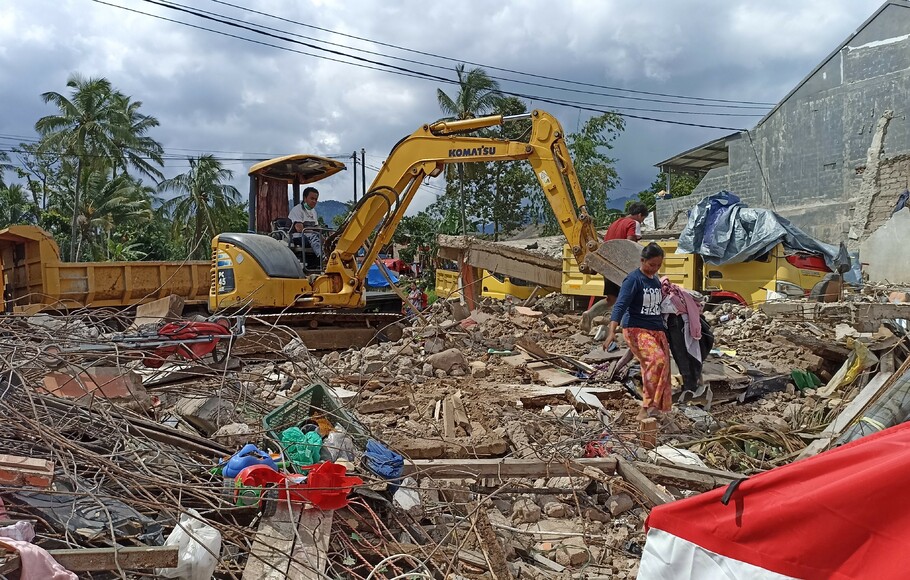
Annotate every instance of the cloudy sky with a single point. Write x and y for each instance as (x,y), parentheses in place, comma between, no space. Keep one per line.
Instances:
(295,90)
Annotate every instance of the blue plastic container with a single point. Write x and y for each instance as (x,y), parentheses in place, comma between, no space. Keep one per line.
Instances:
(249,455)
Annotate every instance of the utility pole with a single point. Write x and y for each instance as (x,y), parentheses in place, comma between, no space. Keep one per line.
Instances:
(363,171)
(354,158)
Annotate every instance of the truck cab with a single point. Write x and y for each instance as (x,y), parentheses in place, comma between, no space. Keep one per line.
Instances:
(777,274)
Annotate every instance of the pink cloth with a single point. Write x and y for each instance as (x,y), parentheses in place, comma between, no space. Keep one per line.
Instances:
(36,563)
(685,303)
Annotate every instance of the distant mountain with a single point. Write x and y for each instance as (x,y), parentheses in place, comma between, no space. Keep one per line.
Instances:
(330,208)
(619,203)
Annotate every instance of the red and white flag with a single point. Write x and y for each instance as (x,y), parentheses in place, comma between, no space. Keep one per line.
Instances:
(841,514)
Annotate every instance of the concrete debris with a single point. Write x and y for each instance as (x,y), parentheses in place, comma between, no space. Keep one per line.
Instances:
(525,511)
(515,431)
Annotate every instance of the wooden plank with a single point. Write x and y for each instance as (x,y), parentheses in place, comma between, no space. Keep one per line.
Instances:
(505,468)
(687,477)
(128,558)
(309,557)
(461,414)
(640,481)
(448,418)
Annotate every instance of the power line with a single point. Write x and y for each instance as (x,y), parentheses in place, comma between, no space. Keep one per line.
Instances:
(486,66)
(201,13)
(401,70)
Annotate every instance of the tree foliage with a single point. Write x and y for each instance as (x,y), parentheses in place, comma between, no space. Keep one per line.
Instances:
(477,95)
(203,206)
(91,178)
(681,185)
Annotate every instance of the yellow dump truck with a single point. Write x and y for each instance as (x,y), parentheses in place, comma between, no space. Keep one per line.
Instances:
(748,283)
(493,286)
(35,279)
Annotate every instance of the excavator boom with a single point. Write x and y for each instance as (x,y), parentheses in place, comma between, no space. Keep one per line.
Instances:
(423,154)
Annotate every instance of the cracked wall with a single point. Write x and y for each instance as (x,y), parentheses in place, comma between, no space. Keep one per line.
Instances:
(834,155)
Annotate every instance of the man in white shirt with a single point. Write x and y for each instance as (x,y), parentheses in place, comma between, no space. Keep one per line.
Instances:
(304,215)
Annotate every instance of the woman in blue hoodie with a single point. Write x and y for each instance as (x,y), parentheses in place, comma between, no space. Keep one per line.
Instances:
(638,311)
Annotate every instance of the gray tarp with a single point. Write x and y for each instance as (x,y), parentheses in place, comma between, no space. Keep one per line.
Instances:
(723,230)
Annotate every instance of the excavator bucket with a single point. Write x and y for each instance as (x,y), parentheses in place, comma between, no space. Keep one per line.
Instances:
(614,259)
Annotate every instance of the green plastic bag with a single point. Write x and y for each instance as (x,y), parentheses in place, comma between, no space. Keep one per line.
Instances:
(805,380)
(301,448)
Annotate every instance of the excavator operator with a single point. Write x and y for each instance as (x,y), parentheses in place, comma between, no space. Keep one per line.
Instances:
(303,215)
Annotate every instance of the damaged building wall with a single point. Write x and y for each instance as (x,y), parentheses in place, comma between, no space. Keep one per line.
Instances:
(884,254)
(832,156)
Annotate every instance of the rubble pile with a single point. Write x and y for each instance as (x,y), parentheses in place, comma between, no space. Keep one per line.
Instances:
(500,442)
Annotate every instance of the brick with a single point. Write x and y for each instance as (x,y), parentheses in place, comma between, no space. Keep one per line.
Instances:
(110,383)
(17,470)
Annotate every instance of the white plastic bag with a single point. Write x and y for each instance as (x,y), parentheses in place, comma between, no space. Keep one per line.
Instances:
(337,445)
(199,547)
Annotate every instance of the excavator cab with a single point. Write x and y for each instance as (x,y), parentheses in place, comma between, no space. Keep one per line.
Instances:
(280,254)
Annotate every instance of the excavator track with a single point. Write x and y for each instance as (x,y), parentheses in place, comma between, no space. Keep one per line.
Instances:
(319,330)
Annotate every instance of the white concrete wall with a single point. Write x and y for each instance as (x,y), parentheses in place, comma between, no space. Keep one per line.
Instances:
(885,254)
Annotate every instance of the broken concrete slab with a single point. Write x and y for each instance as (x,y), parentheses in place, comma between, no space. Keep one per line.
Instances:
(383,404)
(207,414)
(165,309)
(448,360)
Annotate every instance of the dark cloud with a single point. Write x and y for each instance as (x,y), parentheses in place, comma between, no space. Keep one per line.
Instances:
(218,94)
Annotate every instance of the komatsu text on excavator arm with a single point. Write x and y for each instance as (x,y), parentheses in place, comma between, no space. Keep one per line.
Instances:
(376,216)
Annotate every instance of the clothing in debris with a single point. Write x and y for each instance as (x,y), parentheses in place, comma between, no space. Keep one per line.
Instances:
(688,333)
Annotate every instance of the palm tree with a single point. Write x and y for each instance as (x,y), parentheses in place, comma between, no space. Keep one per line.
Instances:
(14,205)
(137,149)
(98,127)
(107,202)
(478,94)
(204,204)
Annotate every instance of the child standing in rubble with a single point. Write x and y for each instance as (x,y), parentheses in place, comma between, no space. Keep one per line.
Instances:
(638,311)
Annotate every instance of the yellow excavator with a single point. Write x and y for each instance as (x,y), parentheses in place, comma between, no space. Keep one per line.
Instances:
(259,273)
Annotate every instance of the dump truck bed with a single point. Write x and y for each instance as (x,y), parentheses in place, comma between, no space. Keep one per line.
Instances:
(35,278)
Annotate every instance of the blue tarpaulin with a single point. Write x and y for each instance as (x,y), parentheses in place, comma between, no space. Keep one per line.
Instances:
(375,279)
(723,230)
